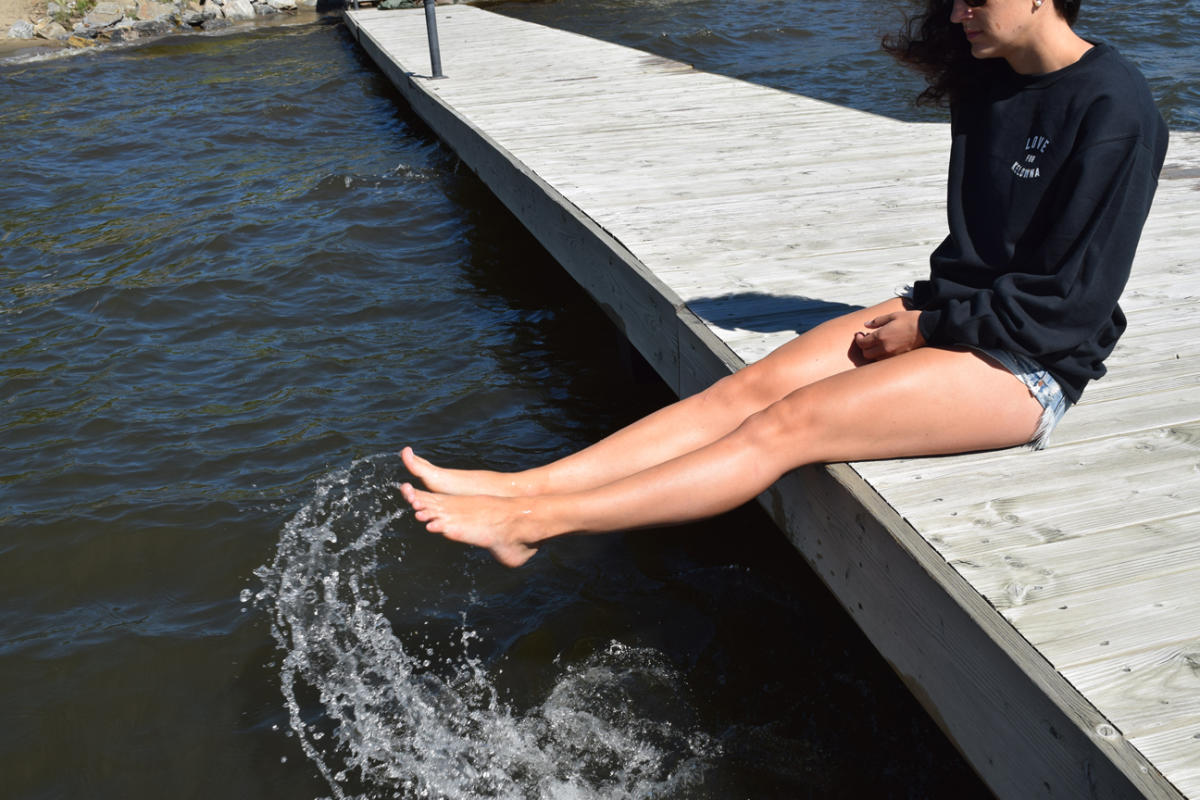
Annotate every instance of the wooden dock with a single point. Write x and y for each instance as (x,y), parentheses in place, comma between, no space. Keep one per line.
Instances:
(1044,607)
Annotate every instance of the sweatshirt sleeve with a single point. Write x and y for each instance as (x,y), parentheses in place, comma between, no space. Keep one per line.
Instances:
(1068,269)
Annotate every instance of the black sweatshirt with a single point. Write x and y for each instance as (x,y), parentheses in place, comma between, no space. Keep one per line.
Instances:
(1051,179)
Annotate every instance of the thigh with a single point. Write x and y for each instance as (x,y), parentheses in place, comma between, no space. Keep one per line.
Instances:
(929,401)
(812,356)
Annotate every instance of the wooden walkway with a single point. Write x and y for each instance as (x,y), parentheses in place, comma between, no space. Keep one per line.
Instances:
(1044,607)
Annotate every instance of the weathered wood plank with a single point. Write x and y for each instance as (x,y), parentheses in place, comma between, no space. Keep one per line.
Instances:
(1136,687)
(1051,573)
(1180,748)
(1093,624)
(1070,489)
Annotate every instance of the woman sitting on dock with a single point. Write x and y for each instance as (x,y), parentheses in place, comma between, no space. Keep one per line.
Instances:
(1056,150)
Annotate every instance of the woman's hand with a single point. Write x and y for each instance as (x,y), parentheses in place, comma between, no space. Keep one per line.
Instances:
(890,335)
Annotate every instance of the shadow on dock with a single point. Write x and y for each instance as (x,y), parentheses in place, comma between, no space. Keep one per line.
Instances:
(767,313)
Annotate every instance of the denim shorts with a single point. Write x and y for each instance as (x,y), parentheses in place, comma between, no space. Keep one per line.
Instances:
(1041,384)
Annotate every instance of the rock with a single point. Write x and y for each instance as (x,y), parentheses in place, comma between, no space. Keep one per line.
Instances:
(193,18)
(21,29)
(263,10)
(215,24)
(49,29)
(125,35)
(80,42)
(282,5)
(239,9)
(149,9)
(103,15)
(54,9)
(153,27)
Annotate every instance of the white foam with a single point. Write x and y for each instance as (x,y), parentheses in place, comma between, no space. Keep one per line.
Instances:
(382,719)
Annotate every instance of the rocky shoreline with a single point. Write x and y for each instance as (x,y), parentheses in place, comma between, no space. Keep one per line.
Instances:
(80,24)
(85,23)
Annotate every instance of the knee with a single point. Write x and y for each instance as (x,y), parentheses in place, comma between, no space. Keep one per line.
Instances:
(749,390)
(787,433)
(780,424)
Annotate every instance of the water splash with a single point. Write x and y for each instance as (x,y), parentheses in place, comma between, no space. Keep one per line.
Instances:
(379,718)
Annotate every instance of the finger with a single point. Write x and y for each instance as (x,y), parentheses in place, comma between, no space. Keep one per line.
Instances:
(869,349)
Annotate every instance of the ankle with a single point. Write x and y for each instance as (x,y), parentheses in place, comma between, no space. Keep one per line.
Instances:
(528,483)
(534,518)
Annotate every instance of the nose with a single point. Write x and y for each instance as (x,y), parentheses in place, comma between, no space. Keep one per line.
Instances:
(959,11)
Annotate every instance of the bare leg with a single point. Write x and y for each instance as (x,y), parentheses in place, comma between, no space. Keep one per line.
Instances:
(680,427)
(929,401)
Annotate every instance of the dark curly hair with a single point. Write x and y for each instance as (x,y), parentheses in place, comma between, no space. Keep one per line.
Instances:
(935,47)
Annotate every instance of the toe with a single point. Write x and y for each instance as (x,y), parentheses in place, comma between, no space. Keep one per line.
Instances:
(412,460)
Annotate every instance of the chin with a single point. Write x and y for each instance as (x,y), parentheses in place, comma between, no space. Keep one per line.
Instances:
(982,51)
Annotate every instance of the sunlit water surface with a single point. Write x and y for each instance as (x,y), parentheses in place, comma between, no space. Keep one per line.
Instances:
(235,276)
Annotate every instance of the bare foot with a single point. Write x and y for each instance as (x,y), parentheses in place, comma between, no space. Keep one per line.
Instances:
(503,525)
(461,481)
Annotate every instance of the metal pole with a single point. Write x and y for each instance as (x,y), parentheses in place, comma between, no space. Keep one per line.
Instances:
(435,53)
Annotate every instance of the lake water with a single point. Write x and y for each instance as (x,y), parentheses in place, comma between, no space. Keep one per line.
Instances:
(236,275)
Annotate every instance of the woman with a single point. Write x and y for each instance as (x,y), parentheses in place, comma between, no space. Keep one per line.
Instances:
(1055,157)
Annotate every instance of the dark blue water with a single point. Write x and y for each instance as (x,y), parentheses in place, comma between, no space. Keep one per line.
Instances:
(236,275)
